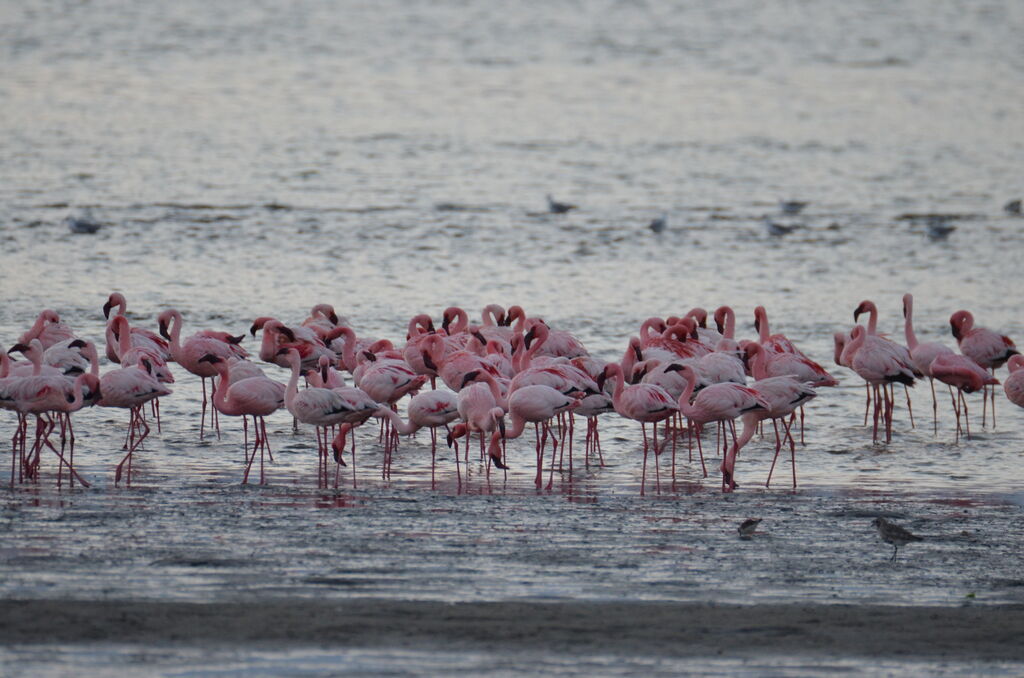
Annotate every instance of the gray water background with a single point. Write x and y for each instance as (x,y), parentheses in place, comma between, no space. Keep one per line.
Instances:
(392,158)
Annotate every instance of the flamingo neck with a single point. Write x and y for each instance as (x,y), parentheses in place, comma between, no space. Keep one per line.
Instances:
(730,324)
(685,407)
(292,388)
(759,366)
(872,319)
(908,327)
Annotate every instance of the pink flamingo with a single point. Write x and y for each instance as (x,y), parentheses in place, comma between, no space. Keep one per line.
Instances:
(387,381)
(719,403)
(784,395)
(482,409)
(922,354)
(880,365)
(254,397)
(966,376)
(539,404)
(590,408)
(868,306)
(41,395)
(129,353)
(188,354)
(322,408)
(453,367)
(68,357)
(420,327)
(430,409)
(17,393)
(773,343)
(48,329)
(131,388)
(559,343)
(989,349)
(277,336)
(644,403)
(1014,384)
(140,337)
(323,319)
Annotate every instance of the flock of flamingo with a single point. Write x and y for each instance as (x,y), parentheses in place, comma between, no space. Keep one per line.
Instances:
(499,375)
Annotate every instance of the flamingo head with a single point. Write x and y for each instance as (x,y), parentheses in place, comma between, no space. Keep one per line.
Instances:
(720,316)
(457,431)
(699,315)
(864,307)
(960,323)
(908,300)
(18,348)
(469,378)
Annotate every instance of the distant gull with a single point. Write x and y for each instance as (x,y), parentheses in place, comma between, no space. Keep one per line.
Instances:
(83,222)
(939,227)
(658,225)
(556,207)
(777,229)
(792,206)
(1012,207)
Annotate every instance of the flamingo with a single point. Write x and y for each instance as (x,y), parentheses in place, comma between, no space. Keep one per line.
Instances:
(256,397)
(559,343)
(48,329)
(966,376)
(719,403)
(420,327)
(322,408)
(590,408)
(539,404)
(41,395)
(987,348)
(879,364)
(453,367)
(277,336)
(388,381)
(868,306)
(773,343)
(784,395)
(482,410)
(323,319)
(1014,384)
(67,356)
(131,352)
(922,354)
(188,353)
(430,409)
(140,337)
(130,388)
(645,403)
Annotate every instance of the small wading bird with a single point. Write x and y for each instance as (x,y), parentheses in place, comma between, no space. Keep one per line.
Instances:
(83,222)
(556,207)
(748,527)
(894,534)
(792,206)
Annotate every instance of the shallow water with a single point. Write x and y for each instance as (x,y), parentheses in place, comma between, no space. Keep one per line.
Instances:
(392,158)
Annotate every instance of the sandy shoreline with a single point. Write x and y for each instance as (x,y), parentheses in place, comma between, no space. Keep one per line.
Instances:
(658,628)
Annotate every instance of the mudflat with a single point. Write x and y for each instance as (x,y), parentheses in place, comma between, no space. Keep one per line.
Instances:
(970,632)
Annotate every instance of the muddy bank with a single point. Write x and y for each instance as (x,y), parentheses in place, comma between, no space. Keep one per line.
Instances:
(667,629)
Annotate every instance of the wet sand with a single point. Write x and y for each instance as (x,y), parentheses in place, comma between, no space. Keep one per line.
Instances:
(972,632)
